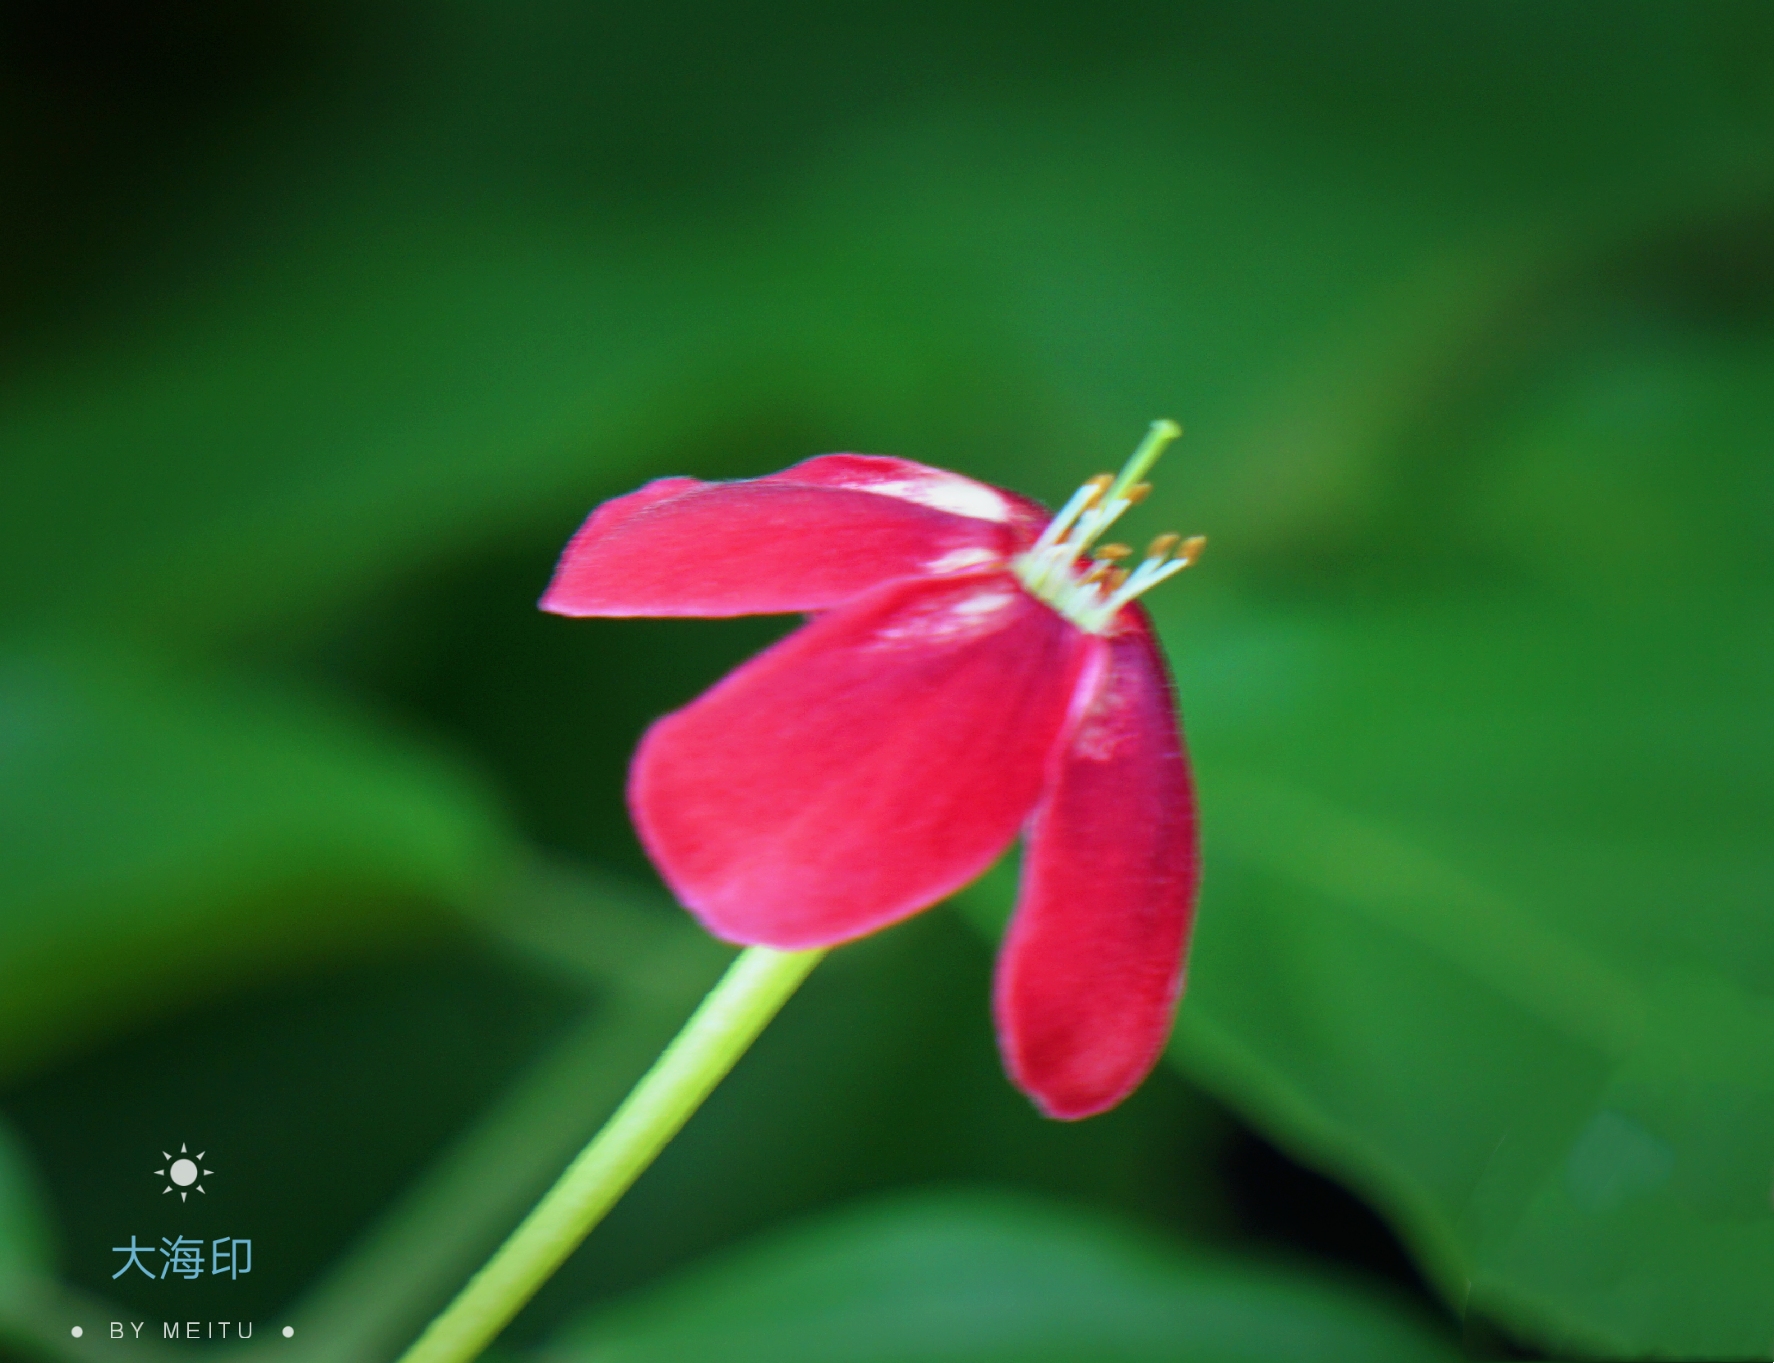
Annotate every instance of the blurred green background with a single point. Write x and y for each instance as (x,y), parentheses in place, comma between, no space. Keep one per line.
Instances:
(321,328)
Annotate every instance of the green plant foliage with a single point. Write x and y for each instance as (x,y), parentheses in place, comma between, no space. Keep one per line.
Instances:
(322,327)
(25,1235)
(1484,928)
(163,832)
(993,1280)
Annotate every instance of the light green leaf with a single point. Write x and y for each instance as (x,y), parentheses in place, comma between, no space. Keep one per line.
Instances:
(1484,928)
(990,1279)
(163,832)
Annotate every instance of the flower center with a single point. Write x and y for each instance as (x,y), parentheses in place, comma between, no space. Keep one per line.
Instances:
(1088,586)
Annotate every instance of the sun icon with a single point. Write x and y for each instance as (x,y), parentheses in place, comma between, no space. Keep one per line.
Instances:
(183,1171)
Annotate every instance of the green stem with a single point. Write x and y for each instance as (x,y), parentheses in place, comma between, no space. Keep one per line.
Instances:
(717,1034)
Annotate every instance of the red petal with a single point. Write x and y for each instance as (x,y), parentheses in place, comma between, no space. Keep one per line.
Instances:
(804,539)
(874,761)
(887,476)
(1093,963)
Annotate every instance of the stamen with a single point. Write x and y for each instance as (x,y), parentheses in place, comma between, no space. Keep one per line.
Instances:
(1096,520)
(1084,585)
(1081,501)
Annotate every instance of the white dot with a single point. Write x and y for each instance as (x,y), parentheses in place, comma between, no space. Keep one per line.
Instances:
(76,1332)
(289,1331)
(183,1172)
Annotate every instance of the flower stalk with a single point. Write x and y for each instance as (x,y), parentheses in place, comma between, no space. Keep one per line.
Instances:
(721,1029)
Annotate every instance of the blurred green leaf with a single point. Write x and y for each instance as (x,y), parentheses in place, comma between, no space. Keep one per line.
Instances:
(992,1279)
(165,832)
(1485,924)
(1636,483)
(25,1236)
(383,401)
(648,966)
(1011,288)
(883,1071)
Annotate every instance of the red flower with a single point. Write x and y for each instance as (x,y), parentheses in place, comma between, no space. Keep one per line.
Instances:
(969,673)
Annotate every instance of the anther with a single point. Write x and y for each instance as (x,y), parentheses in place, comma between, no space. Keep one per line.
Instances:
(1191,549)
(1161,546)
(1137,493)
(1116,577)
(1098,485)
(1112,551)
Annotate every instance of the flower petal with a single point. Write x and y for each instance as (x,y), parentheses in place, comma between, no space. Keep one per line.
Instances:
(887,476)
(805,539)
(1092,965)
(874,761)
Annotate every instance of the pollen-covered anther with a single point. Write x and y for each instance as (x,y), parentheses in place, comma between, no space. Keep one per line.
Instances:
(1116,579)
(1159,549)
(1113,551)
(1137,493)
(1191,550)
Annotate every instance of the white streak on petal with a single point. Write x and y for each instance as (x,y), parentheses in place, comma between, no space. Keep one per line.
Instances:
(949,620)
(986,603)
(957,559)
(961,496)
